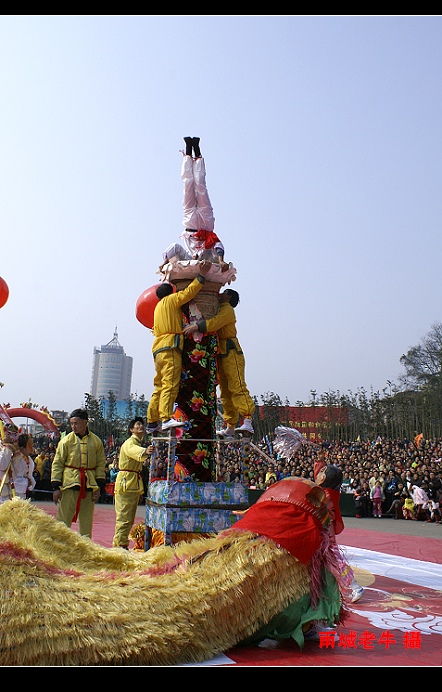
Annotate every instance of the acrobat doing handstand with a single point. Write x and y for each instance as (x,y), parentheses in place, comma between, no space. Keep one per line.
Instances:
(199,238)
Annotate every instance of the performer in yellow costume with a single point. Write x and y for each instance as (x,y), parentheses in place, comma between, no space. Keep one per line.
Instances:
(78,472)
(167,349)
(235,396)
(129,483)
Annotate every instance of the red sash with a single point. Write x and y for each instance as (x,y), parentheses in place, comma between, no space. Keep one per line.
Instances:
(209,237)
(81,494)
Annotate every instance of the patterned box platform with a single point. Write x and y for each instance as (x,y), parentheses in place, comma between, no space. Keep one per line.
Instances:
(193,507)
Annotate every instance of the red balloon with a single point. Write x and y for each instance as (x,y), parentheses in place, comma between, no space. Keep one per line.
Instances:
(4,292)
(146,305)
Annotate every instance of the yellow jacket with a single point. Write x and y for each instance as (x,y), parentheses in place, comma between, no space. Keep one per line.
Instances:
(130,463)
(224,323)
(73,454)
(39,462)
(168,318)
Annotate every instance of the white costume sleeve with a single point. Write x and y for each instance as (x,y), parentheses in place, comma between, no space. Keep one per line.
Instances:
(175,252)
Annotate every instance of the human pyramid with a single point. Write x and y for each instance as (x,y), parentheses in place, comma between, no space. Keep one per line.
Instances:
(199,260)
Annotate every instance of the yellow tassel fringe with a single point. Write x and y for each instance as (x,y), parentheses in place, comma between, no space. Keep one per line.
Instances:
(68,601)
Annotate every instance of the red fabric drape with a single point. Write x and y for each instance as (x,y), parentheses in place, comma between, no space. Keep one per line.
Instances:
(286,524)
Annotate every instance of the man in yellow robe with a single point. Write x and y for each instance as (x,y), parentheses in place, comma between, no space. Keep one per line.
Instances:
(78,472)
(129,483)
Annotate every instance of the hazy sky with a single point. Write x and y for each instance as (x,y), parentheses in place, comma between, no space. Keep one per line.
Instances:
(322,141)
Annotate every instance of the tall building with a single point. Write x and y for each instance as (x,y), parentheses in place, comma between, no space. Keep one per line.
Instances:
(111,371)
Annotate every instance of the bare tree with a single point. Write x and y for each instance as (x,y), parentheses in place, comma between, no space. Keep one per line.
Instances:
(423,363)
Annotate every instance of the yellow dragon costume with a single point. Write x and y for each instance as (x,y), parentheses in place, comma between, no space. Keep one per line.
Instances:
(68,601)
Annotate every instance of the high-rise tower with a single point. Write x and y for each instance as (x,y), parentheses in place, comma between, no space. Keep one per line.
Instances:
(111,371)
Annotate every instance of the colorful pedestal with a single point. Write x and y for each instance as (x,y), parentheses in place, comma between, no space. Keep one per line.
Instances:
(190,507)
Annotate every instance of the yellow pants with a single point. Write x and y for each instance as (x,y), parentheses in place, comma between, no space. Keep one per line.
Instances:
(168,364)
(67,506)
(235,396)
(125,510)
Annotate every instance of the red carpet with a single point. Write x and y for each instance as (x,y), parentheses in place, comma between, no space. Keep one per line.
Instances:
(397,622)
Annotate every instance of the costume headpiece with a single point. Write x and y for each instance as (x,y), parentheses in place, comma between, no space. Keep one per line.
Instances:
(303,494)
(10,429)
(294,514)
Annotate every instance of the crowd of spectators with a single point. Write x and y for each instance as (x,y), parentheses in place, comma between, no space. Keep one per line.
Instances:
(407,477)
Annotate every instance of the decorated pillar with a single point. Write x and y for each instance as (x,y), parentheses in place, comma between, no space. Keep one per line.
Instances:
(197,401)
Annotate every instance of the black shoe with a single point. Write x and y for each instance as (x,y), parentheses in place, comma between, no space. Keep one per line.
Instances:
(188,141)
(196,147)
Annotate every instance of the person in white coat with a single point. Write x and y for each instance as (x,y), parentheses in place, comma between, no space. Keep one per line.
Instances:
(16,468)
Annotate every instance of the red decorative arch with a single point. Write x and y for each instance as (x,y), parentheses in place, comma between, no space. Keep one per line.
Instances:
(38,416)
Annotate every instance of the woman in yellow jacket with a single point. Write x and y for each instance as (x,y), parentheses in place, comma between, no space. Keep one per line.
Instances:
(235,396)
(129,483)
